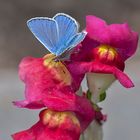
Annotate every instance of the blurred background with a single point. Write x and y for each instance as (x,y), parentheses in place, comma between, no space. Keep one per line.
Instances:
(16,41)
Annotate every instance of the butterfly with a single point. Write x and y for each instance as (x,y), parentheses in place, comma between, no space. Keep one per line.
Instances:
(58,34)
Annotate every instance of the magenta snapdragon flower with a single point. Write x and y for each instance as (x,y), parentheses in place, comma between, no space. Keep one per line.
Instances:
(48,84)
(115,43)
(104,50)
(52,125)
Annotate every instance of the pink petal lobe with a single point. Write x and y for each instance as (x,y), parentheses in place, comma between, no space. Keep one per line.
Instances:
(119,36)
(41,76)
(97,67)
(97,29)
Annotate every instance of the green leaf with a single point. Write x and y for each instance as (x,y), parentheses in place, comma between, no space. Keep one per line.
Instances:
(102,96)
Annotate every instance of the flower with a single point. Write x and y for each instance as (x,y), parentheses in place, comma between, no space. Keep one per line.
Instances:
(116,43)
(48,84)
(52,125)
(64,101)
(102,55)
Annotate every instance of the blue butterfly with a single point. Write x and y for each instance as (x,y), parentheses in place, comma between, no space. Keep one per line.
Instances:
(58,34)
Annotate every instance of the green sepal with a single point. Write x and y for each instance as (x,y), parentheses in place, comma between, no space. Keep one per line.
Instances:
(89,94)
(102,96)
(96,107)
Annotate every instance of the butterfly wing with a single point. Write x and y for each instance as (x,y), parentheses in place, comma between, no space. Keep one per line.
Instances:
(46,31)
(74,41)
(67,27)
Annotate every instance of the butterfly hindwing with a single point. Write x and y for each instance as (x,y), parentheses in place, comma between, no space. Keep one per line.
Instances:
(46,31)
(73,41)
(76,39)
(67,27)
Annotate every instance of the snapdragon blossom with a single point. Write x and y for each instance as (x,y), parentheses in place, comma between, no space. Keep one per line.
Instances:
(48,85)
(103,53)
(52,125)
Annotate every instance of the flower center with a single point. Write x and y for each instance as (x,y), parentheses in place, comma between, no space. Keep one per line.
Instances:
(58,69)
(105,53)
(54,118)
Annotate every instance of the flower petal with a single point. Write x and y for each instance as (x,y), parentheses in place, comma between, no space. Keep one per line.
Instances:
(97,67)
(41,77)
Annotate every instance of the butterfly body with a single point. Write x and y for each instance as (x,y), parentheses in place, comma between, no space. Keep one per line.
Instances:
(58,34)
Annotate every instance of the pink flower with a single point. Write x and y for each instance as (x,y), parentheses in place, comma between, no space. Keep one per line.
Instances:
(104,50)
(48,84)
(64,101)
(52,125)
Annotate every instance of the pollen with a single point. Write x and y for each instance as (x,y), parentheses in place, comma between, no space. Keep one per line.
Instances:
(55,119)
(58,69)
(107,52)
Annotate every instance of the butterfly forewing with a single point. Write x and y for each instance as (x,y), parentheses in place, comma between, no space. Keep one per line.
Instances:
(46,31)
